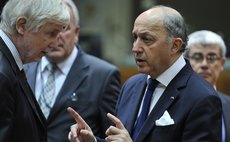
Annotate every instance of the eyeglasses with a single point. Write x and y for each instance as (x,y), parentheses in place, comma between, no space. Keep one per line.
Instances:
(210,58)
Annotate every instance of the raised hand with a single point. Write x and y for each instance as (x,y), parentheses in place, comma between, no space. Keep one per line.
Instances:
(79,132)
(117,133)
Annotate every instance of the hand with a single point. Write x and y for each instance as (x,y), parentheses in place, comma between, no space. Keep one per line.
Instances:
(80,132)
(118,133)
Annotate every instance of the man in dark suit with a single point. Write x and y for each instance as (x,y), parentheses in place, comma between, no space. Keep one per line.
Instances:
(206,52)
(183,108)
(25,36)
(88,84)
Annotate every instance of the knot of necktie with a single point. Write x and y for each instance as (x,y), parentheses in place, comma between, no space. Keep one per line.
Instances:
(52,67)
(152,83)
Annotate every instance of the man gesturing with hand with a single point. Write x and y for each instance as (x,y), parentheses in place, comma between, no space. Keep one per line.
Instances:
(167,101)
(81,132)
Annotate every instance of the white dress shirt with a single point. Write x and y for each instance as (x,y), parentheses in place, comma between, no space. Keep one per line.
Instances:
(60,74)
(164,79)
(12,49)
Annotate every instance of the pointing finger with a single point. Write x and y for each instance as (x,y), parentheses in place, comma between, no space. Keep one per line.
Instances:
(116,121)
(81,123)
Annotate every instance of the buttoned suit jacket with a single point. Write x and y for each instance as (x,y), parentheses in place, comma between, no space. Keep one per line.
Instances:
(190,101)
(96,84)
(225,100)
(21,119)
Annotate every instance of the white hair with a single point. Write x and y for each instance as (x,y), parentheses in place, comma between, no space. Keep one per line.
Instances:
(74,9)
(37,12)
(205,37)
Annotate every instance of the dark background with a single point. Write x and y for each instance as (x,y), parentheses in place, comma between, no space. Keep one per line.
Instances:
(2,3)
(211,15)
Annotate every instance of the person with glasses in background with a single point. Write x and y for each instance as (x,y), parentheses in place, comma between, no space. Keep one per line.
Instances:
(206,52)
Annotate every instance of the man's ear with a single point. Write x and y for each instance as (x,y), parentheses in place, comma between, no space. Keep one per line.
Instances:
(77,32)
(177,45)
(222,62)
(20,24)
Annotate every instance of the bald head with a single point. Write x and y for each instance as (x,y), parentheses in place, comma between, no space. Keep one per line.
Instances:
(159,13)
(162,17)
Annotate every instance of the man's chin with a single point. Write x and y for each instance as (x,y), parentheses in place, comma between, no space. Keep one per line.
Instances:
(141,69)
(53,54)
(204,75)
(54,57)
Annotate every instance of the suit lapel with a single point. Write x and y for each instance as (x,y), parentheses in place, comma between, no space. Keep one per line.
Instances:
(31,98)
(226,113)
(166,100)
(25,87)
(162,105)
(136,101)
(31,72)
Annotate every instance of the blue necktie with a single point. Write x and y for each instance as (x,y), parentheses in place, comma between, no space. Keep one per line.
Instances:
(152,83)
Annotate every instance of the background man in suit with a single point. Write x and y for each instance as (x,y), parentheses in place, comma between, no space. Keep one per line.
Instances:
(206,52)
(88,84)
(184,107)
(26,34)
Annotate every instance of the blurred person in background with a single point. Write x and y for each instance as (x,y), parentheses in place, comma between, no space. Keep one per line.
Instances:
(206,52)
(27,33)
(88,84)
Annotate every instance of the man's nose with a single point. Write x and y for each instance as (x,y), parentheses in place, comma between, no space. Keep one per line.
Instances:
(136,46)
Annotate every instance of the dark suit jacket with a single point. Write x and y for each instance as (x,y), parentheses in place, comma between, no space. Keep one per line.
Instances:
(191,102)
(226,114)
(21,119)
(97,86)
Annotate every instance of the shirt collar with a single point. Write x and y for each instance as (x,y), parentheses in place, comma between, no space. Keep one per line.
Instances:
(171,72)
(64,66)
(12,49)
(44,63)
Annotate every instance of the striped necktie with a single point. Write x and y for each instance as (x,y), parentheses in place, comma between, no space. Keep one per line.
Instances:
(48,90)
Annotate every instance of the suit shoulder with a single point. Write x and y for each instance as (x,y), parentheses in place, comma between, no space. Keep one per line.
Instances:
(5,67)
(99,63)
(136,78)
(28,66)
(200,83)
(198,89)
(224,98)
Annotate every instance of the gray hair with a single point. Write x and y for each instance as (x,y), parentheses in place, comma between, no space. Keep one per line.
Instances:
(74,9)
(205,37)
(175,25)
(37,12)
